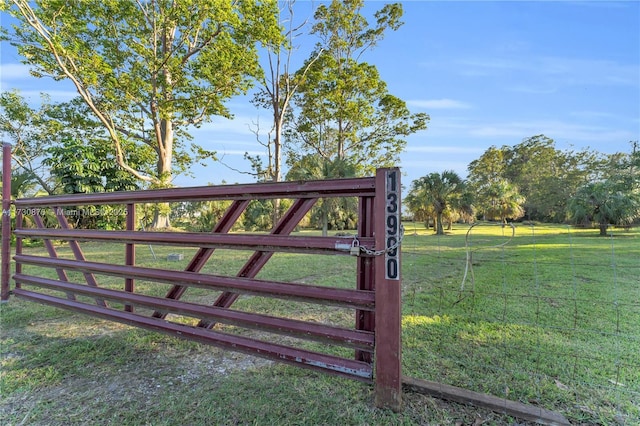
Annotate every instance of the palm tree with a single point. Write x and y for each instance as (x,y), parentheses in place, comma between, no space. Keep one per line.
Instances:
(24,183)
(340,213)
(605,203)
(502,201)
(463,207)
(437,191)
(416,205)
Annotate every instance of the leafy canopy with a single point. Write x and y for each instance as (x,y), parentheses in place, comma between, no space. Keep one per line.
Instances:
(343,110)
(148,70)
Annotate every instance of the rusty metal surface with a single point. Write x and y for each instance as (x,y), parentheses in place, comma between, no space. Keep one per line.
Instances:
(199,260)
(355,187)
(281,290)
(130,252)
(62,274)
(300,357)
(388,315)
(75,249)
(19,222)
(266,243)
(365,272)
(256,262)
(310,330)
(5,270)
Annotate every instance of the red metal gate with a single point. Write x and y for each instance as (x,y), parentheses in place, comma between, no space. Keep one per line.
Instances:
(374,298)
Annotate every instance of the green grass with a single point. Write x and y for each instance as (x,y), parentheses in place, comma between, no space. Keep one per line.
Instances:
(552,318)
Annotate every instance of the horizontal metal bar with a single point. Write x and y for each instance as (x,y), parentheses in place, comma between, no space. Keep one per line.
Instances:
(359,299)
(314,331)
(300,357)
(281,243)
(354,187)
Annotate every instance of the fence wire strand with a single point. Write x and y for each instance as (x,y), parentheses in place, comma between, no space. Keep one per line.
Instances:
(545,318)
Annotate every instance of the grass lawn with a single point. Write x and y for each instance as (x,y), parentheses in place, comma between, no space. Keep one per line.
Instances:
(549,317)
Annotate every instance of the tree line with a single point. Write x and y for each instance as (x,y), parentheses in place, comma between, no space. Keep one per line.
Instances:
(149,72)
(533,180)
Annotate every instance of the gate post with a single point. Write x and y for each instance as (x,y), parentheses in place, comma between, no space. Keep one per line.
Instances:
(6,222)
(388,315)
(130,252)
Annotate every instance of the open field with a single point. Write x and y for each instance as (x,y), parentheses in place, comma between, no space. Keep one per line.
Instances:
(549,317)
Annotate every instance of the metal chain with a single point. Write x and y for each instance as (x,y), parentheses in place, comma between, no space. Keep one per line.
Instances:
(371,252)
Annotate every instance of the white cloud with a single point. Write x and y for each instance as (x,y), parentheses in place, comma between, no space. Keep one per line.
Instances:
(439,104)
(533,90)
(16,76)
(590,115)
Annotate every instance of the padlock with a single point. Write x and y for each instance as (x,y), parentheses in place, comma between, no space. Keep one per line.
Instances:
(355,248)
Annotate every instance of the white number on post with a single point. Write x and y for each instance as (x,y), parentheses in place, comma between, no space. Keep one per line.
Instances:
(392,220)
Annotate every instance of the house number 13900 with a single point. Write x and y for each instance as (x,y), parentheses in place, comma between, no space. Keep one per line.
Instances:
(392,219)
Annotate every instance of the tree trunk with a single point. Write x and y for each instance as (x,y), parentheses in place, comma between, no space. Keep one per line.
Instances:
(275,215)
(165,155)
(163,122)
(603,229)
(160,220)
(325,223)
(439,228)
(278,118)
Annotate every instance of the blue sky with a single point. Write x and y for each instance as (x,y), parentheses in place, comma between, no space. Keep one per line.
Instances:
(488,73)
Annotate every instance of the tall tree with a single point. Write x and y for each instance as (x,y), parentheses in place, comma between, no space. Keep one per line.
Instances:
(605,203)
(624,167)
(501,201)
(488,169)
(420,210)
(545,176)
(148,70)
(614,200)
(343,110)
(277,86)
(439,191)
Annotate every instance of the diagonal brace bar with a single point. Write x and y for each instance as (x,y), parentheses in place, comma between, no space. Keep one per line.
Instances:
(201,257)
(256,262)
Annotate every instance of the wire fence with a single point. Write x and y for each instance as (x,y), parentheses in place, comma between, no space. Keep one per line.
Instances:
(546,315)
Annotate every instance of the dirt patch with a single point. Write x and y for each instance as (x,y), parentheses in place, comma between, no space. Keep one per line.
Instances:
(97,390)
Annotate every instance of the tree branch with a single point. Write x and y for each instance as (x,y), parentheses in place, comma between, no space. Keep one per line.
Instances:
(62,59)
